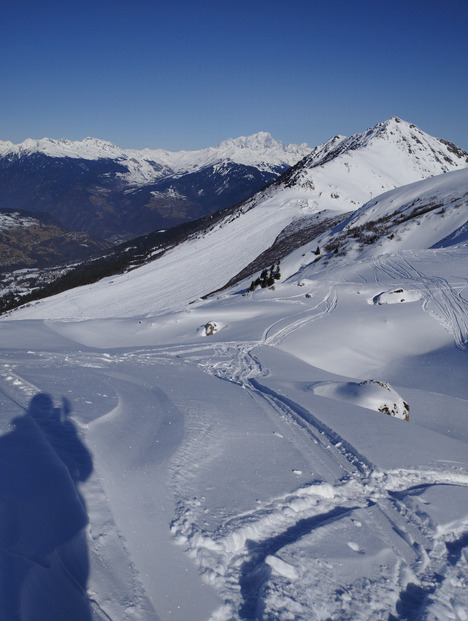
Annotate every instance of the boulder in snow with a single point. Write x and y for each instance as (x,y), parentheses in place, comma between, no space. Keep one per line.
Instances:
(371,394)
(210,328)
(396,296)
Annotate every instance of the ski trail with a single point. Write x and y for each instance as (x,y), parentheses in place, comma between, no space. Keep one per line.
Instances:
(237,557)
(441,300)
(282,328)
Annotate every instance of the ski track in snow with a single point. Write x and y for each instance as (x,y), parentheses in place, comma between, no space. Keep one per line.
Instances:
(442,301)
(242,556)
(239,553)
(275,333)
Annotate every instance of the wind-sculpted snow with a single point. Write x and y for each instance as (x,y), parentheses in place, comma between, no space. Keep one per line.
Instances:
(440,298)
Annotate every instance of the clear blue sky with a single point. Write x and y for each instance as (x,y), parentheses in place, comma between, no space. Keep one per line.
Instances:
(186,75)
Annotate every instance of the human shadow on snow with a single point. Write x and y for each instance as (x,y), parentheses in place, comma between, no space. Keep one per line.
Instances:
(43,552)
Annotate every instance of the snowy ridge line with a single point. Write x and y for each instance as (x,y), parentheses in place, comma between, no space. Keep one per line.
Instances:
(260,150)
(441,299)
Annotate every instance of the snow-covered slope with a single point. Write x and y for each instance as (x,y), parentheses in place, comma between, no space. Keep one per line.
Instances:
(426,214)
(344,173)
(339,176)
(144,166)
(258,472)
(299,451)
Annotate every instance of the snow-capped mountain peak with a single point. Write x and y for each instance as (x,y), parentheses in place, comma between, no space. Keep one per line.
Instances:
(403,136)
(344,173)
(145,165)
(260,140)
(89,148)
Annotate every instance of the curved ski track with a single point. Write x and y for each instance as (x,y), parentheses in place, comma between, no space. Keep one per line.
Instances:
(235,556)
(440,299)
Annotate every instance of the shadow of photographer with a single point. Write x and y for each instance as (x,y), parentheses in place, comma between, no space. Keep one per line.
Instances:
(43,551)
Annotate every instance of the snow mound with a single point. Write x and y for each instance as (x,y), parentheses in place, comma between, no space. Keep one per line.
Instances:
(396,296)
(370,394)
(210,328)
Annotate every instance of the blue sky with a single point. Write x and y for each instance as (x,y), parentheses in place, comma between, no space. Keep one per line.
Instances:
(186,75)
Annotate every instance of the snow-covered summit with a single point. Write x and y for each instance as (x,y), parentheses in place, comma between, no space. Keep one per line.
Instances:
(402,136)
(258,141)
(344,173)
(263,141)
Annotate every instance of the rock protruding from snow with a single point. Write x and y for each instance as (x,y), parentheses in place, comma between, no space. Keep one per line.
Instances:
(396,296)
(210,328)
(371,394)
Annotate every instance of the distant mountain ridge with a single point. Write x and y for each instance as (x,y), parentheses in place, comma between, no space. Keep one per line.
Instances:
(306,207)
(116,194)
(144,166)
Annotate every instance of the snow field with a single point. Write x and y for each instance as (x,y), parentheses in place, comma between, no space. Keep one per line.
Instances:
(244,473)
(280,499)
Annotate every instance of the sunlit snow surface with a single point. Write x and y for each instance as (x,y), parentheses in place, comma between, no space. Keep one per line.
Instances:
(241,475)
(244,462)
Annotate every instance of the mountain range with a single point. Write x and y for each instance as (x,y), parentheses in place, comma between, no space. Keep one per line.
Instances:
(115,194)
(272,401)
(318,202)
